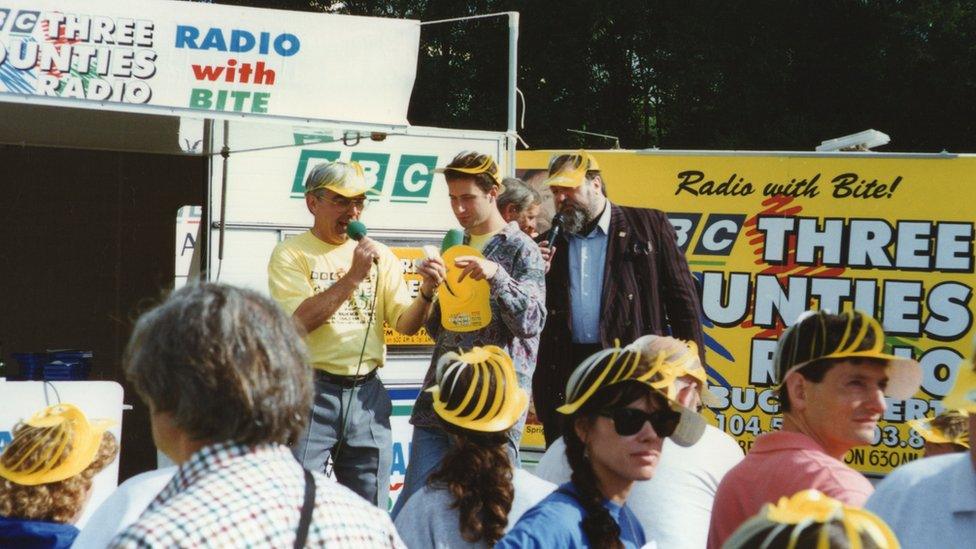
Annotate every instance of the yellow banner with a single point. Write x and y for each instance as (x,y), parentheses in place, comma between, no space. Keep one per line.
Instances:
(771,235)
(407,256)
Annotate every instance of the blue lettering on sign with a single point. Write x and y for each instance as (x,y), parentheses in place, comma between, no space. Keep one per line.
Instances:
(399,465)
(6,437)
(241,41)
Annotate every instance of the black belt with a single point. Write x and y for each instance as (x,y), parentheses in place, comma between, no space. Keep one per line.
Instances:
(346,381)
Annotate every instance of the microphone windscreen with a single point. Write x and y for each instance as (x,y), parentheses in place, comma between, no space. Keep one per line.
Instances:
(356,230)
(454,237)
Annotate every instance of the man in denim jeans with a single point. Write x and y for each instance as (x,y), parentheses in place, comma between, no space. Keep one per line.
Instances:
(515,272)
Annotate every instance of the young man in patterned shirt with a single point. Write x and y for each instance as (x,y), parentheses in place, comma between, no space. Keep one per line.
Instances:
(515,271)
(223,372)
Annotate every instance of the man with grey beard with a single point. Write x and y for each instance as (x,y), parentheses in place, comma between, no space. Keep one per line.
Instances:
(615,273)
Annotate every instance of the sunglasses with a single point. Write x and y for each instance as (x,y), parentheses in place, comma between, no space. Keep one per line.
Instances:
(629,421)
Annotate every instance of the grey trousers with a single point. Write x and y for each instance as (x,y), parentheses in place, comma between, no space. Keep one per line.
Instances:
(352,427)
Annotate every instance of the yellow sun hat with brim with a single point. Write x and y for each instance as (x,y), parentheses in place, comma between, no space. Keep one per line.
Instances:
(680,356)
(346,179)
(465,304)
(478,390)
(573,171)
(931,432)
(615,365)
(793,517)
(488,166)
(810,339)
(54,444)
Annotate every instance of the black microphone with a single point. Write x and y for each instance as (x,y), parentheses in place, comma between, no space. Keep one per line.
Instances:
(356,231)
(554,232)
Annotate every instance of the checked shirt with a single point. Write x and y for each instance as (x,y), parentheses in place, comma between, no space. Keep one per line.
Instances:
(229,495)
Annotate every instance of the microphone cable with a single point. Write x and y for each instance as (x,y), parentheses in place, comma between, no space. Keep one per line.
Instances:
(344,407)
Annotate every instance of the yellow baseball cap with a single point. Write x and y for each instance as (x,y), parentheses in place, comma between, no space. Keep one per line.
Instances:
(55,444)
(572,173)
(348,180)
(478,390)
(465,305)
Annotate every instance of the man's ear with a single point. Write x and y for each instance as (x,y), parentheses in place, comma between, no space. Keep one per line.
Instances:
(310,203)
(796,387)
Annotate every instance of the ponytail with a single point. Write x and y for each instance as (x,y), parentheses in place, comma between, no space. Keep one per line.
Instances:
(477,473)
(598,525)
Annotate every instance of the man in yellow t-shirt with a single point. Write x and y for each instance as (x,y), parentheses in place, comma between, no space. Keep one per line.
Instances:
(341,291)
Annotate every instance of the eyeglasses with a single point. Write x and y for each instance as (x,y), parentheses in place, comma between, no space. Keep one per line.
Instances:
(343,203)
(629,421)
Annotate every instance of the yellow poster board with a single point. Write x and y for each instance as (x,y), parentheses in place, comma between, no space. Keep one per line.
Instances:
(407,256)
(770,235)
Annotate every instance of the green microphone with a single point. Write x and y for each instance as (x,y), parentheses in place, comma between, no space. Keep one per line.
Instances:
(454,237)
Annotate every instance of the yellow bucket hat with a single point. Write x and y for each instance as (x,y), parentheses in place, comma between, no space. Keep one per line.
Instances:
(573,171)
(927,429)
(812,509)
(55,444)
(681,357)
(348,180)
(465,305)
(478,390)
(615,365)
(904,374)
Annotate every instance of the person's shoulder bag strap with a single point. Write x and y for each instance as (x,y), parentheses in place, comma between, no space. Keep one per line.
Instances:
(307,507)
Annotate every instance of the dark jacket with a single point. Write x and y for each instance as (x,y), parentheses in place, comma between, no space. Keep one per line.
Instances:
(647,289)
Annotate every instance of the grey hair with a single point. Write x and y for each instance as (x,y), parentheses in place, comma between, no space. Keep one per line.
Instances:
(227,363)
(519,193)
(326,172)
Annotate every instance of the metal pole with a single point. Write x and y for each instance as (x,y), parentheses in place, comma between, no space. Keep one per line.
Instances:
(513,22)
(513,26)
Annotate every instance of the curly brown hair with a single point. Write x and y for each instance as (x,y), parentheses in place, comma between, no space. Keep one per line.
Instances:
(477,472)
(60,501)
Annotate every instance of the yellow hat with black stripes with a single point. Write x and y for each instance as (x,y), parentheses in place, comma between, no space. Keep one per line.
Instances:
(478,390)
(55,444)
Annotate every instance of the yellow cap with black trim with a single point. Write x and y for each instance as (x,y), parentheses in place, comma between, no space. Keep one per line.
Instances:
(572,173)
(55,444)
(962,396)
(792,354)
(478,390)
(615,365)
(487,166)
(348,180)
(812,509)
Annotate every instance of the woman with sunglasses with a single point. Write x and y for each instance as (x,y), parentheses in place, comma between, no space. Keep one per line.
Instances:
(476,494)
(617,416)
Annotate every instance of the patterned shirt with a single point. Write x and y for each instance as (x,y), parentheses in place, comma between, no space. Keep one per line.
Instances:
(518,313)
(230,495)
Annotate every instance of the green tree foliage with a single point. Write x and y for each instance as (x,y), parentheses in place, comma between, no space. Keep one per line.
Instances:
(705,74)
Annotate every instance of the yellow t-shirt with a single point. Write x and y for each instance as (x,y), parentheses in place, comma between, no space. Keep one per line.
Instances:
(303,266)
(478,241)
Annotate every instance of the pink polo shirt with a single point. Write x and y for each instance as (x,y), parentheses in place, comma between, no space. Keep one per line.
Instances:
(780,464)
